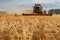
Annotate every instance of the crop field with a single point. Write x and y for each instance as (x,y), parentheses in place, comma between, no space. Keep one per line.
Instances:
(18,27)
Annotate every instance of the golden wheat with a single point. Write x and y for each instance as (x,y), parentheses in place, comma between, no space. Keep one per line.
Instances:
(16,27)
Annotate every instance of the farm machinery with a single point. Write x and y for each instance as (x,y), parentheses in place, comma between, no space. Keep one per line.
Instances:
(37,11)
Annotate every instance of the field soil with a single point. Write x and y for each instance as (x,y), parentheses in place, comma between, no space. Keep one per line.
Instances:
(17,27)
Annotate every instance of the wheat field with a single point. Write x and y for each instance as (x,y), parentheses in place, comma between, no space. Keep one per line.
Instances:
(17,27)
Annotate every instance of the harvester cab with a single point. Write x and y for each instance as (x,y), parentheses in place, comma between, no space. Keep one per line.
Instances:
(37,8)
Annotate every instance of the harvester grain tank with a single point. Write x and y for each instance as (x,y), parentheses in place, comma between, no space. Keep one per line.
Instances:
(54,11)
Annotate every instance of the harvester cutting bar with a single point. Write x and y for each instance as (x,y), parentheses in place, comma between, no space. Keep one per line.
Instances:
(37,14)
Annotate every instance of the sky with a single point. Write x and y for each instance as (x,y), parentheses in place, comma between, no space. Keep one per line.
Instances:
(18,6)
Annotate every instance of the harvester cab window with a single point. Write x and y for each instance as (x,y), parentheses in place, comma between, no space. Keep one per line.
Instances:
(36,9)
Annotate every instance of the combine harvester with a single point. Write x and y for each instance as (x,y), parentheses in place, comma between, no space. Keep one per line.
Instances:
(37,11)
